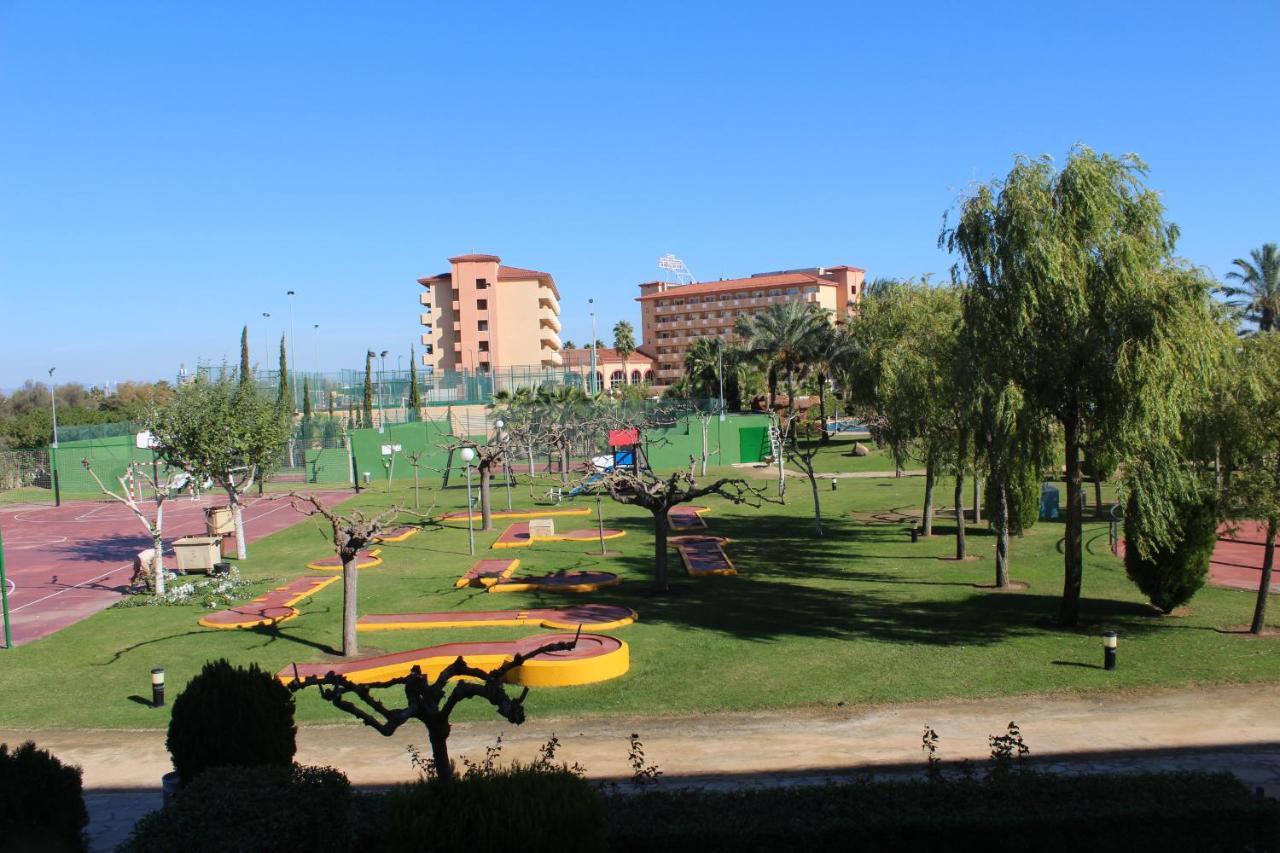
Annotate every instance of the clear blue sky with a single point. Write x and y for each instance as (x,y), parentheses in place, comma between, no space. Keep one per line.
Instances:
(169,170)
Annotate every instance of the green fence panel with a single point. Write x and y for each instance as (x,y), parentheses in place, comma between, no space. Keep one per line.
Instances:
(328,465)
(753,443)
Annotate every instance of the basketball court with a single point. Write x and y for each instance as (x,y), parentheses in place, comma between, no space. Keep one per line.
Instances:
(1237,559)
(66,563)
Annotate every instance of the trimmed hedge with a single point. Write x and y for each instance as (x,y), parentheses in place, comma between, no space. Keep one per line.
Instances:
(1171,575)
(41,802)
(231,717)
(1015,812)
(264,809)
(1024,499)
(518,808)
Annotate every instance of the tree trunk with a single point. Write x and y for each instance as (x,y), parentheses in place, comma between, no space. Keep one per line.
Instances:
(660,525)
(564,465)
(1073,560)
(350,580)
(1264,587)
(960,521)
(1097,495)
(977,499)
(486,512)
(1267,320)
(773,388)
(157,563)
(817,503)
(705,423)
(438,734)
(237,519)
(926,524)
(531,469)
(1002,536)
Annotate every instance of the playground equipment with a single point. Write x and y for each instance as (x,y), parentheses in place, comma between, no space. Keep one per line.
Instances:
(594,658)
(703,555)
(626,451)
(364,560)
(271,608)
(598,617)
(519,535)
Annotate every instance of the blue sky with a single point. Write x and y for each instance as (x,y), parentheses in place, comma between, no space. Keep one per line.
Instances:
(170,170)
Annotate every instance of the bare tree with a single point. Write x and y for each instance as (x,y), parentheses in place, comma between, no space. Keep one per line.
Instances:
(803,456)
(351,533)
(489,457)
(426,699)
(137,471)
(659,495)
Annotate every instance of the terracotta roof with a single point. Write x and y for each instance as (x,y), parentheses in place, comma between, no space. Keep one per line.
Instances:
(702,288)
(462,258)
(581,357)
(847,267)
(444,276)
(518,272)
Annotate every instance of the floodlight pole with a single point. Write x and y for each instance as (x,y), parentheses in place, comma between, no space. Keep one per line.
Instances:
(471,526)
(382,405)
(720,372)
(266,341)
(4,599)
(293,374)
(594,389)
(53,451)
(53,400)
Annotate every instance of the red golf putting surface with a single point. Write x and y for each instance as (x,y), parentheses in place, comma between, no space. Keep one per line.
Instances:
(595,658)
(272,608)
(397,534)
(703,555)
(599,617)
(687,517)
(517,536)
(364,560)
(487,572)
(67,563)
(1237,560)
(567,582)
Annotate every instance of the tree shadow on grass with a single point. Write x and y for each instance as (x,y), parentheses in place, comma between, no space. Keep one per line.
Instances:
(273,633)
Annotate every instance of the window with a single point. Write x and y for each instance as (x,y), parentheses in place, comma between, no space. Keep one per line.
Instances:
(481,284)
(617,378)
(482,304)
(482,326)
(648,376)
(635,377)
(482,346)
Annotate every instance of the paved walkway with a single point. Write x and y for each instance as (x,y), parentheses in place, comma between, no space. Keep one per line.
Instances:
(1234,728)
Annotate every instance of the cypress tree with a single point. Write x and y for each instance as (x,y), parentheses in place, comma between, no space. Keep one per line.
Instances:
(306,399)
(282,387)
(368,389)
(415,398)
(246,373)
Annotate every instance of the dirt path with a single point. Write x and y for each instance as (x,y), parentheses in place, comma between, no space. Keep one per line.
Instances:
(808,741)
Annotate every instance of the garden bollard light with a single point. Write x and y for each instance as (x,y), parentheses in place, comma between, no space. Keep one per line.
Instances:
(1109,650)
(157,687)
(833,483)
(915,534)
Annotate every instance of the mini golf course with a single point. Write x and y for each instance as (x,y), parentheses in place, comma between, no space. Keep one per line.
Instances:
(271,608)
(598,617)
(364,560)
(517,536)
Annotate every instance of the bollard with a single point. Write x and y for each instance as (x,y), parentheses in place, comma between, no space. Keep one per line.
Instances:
(157,687)
(833,483)
(1109,650)
(915,535)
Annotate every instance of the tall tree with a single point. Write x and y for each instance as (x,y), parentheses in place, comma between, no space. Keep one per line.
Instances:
(283,399)
(1258,293)
(780,339)
(415,394)
(701,365)
(368,389)
(306,399)
(624,341)
(215,429)
(246,370)
(1074,300)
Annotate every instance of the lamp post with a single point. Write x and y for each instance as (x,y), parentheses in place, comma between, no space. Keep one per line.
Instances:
(502,440)
(467,455)
(382,405)
(1109,650)
(593,386)
(316,330)
(53,400)
(157,687)
(292,353)
(266,345)
(720,374)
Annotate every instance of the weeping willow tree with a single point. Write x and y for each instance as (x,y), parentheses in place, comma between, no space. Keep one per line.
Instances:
(1073,296)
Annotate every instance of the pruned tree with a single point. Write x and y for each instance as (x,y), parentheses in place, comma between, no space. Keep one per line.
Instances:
(220,430)
(489,458)
(430,700)
(659,494)
(351,533)
(154,524)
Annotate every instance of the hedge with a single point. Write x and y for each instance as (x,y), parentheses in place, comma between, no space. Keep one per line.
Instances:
(41,802)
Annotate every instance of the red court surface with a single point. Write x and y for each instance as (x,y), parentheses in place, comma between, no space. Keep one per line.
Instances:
(67,563)
(1237,561)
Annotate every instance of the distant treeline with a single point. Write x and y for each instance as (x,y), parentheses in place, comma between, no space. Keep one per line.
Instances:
(26,417)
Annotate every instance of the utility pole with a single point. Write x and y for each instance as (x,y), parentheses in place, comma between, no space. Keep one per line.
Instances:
(592,386)
(53,399)
(266,344)
(382,404)
(720,373)
(293,354)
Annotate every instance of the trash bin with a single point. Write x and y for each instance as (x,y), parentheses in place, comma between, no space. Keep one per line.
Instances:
(229,548)
(196,553)
(217,520)
(1048,502)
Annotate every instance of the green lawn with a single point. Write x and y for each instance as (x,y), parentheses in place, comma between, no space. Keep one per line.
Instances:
(860,616)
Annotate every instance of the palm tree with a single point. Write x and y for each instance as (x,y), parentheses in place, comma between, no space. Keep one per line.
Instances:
(701,361)
(624,341)
(1258,293)
(783,338)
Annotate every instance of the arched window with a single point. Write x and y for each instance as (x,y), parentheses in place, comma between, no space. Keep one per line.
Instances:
(617,378)
(635,377)
(648,376)
(599,381)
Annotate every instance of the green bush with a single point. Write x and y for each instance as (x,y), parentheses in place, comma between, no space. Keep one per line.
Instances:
(519,808)
(1012,812)
(1024,499)
(41,804)
(252,809)
(231,717)
(1169,576)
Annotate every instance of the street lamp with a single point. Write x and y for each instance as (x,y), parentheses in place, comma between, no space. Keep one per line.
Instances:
(266,344)
(382,405)
(720,374)
(467,455)
(502,441)
(292,352)
(53,399)
(316,329)
(594,389)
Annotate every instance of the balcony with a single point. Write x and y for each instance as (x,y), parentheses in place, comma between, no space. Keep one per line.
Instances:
(548,320)
(547,298)
(424,298)
(550,340)
(551,358)
(426,319)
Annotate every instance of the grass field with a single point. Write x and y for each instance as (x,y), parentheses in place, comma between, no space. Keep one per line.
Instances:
(859,616)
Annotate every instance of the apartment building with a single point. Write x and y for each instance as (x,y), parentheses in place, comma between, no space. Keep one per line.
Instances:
(481,315)
(674,315)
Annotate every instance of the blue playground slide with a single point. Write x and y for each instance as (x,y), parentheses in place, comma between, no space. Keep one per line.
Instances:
(582,487)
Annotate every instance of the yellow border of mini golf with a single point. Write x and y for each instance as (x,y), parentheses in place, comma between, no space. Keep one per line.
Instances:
(412,531)
(559,537)
(487,580)
(289,602)
(369,564)
(702,573)
(534,673)
(521,618)
(533,585)
(502,513)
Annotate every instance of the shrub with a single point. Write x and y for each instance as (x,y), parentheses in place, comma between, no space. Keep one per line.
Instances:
(518,807)
(252,808)
(41,804)
(229,716)
(1011,812)
(1170,575)
(1024,499)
